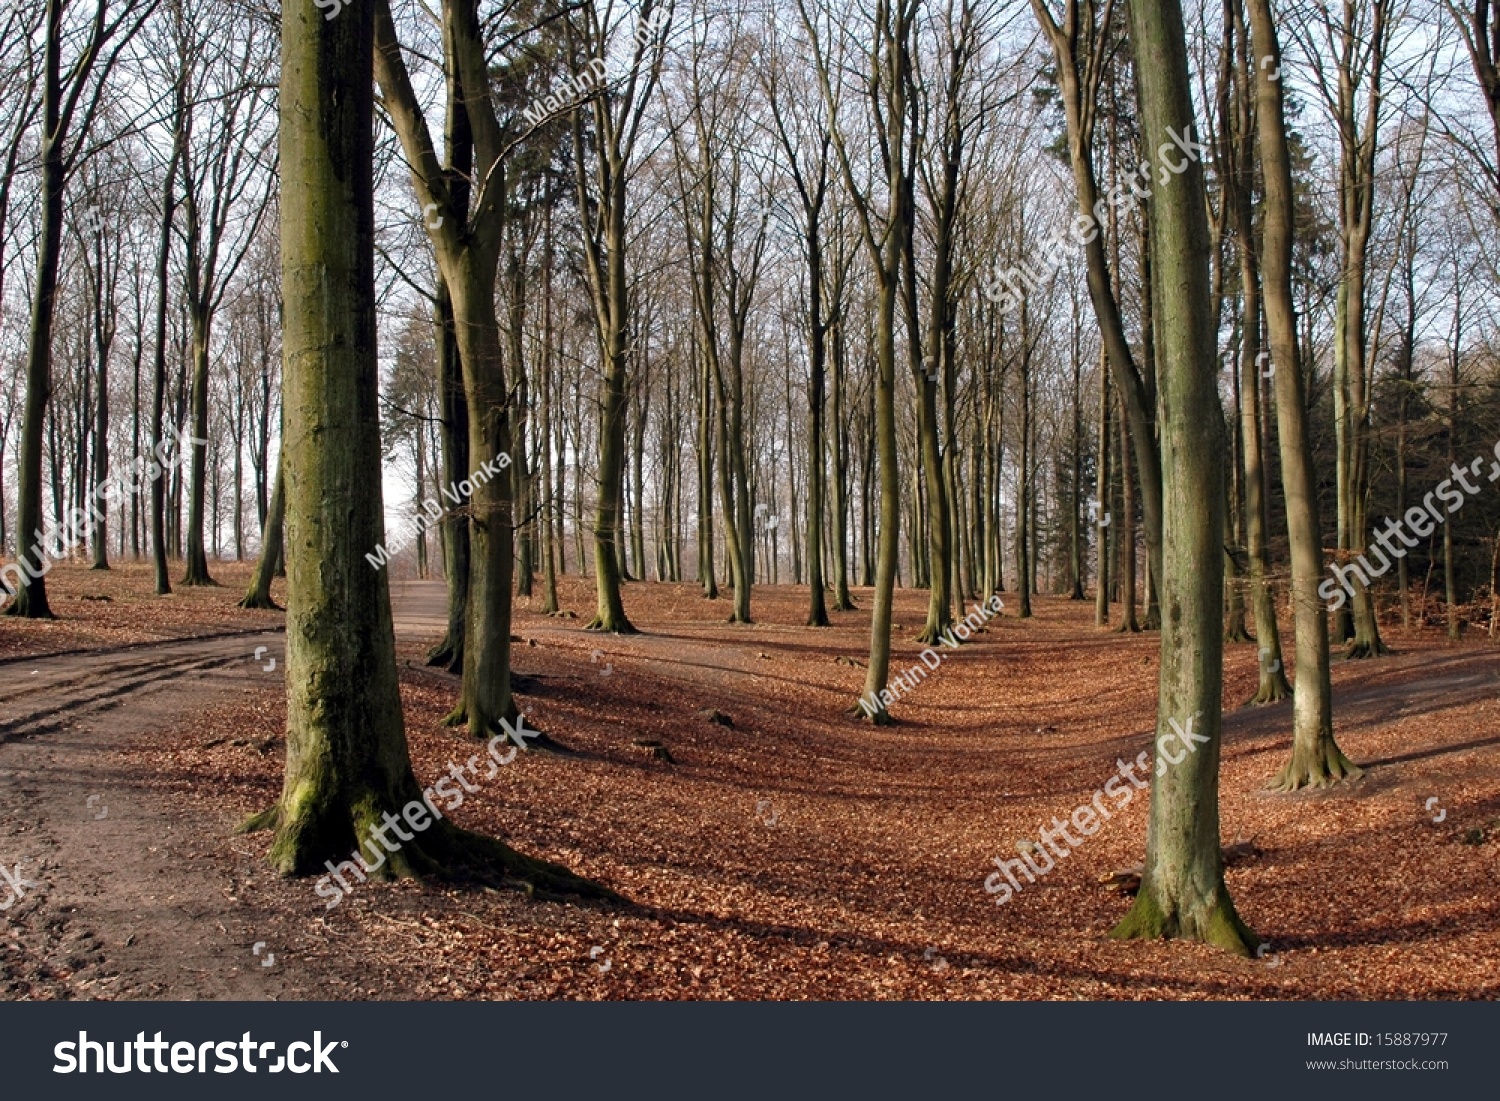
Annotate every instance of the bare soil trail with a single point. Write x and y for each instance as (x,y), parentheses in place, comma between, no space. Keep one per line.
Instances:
(776,847)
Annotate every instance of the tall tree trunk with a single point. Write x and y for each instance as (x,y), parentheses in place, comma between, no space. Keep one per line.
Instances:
(843,600)
(197,555)
(1182,892)
(1129,624)
(348,769)
(549,500)
(1024,490)
(31,593)
(817,608)
(1316,757)
(706,420)
(1239,142)
(1102,495)
(454,432)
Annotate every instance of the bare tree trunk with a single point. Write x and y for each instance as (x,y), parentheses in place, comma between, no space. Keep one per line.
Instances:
(1316,757)
(454,434)
(1182,892)
(348,767)
(259,593)
(1102,497)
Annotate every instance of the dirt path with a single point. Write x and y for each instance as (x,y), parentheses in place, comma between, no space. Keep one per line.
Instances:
(131,899)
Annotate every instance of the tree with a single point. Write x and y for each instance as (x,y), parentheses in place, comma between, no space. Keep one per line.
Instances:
(1359,60)
(1182,892)
(1081,43)
(348,772)
(805,140)
(1316,757)
(69,106)
(225,194)
(888,57)
(617,113)
(1238,139)
(465,220)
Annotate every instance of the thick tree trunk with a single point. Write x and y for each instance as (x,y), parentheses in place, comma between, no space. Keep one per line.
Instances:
(1182,892)
(348,770)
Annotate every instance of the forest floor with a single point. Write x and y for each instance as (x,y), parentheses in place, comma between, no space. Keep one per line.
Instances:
(784,850)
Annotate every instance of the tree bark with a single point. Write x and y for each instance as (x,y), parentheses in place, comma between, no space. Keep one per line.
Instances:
(1182,892)
(1316,758)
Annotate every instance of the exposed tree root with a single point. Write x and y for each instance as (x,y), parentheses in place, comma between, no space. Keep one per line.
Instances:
(1236,632)
(881,717)
(1211,922)
(14,608)
(447,655)
(620,626)
(932,633)
(254,599)
(267,819)
(1360,649)
(1323,767)
(541,743)
(1273,688)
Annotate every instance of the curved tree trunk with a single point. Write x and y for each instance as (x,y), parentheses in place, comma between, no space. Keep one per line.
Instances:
(1316,757)
(259,593)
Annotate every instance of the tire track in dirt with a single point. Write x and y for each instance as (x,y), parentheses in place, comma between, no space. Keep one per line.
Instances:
(132,899)
(126,901)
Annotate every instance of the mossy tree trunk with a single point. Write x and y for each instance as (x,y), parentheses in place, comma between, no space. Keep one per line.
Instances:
(1316,758)
(466,230)
(348,767)
(347,758)
(1182,891)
